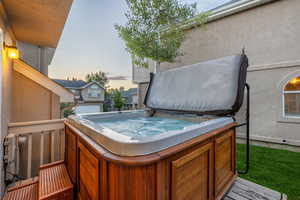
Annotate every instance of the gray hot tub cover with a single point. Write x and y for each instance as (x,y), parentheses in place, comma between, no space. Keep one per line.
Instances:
(211,87)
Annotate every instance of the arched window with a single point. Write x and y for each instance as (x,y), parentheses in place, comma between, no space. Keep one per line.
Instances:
(292,98)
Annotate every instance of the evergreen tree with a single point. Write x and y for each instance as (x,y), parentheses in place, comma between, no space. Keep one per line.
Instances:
(118,100)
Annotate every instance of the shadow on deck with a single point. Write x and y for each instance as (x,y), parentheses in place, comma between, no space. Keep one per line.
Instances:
(246,190)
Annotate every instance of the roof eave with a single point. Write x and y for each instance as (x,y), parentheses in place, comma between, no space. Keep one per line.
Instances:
(90,83)
(227,10)
(39,23)
(43,80)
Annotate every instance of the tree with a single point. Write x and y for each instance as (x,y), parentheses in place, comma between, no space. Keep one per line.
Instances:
(66,109)
(154,29)
(118,100)
(99,77)
(108,100)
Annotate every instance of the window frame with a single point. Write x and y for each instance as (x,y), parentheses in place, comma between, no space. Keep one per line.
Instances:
(96,91)
(292,72)
(283,103)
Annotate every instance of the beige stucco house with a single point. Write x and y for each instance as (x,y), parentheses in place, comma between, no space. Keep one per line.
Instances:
(28,98)
(269,30)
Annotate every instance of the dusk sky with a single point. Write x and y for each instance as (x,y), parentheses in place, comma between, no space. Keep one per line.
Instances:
(90,43)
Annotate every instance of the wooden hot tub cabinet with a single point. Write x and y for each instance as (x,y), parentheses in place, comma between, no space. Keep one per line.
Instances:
(201,168)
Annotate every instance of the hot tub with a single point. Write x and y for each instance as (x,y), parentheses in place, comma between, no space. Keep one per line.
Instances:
(181,147)
(134,133)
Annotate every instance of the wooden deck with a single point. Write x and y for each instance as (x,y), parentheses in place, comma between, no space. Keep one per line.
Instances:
(245,190)
(241,190)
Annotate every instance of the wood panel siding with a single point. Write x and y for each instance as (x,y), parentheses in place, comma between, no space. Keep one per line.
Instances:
(32,102)
(224,160)
(133,183)
(190,170)
(71,154)
(191,175)
(89,174)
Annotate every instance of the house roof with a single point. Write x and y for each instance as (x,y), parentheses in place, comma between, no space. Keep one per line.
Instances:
(227,9)
(75,84)
(127,94)
(37,22)
(43,80)
(225,4)
(91,83)
(70,83)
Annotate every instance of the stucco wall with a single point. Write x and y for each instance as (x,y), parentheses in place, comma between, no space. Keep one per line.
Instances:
(270,35)
(266,109)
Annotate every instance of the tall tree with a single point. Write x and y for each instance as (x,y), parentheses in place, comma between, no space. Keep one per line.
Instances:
(99,77)
(118,100)
(154,29)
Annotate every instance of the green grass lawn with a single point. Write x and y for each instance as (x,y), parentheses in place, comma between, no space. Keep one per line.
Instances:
(273,168)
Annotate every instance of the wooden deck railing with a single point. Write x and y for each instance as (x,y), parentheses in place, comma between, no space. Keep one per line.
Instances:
(23,132)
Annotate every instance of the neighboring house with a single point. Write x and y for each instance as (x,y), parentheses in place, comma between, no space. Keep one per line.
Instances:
(269,31)
(27,95)
(130,98)
(135,100)
(89,97)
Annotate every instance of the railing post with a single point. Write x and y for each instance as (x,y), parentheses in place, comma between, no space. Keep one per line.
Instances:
(13,154)
(19,130)
(42,149)
(17,155)
(63,146)
(29,156)
(52,146)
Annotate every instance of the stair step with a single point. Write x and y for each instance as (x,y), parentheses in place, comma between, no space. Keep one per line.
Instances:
(25,190)
(54,182)
(22,182)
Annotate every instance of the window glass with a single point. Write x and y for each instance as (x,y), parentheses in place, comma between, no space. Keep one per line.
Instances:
(292,98)
(93,91)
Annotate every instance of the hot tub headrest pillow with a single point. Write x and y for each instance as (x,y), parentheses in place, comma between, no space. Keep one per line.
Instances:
(211,87)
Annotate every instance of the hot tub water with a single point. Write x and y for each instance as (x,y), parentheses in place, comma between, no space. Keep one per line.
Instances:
(132,133)
(143,126)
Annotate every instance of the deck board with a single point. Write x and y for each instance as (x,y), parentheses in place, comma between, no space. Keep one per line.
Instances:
(246,190)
